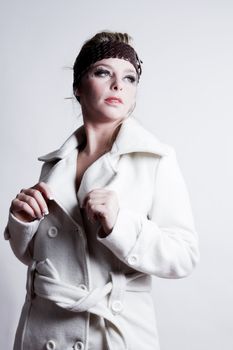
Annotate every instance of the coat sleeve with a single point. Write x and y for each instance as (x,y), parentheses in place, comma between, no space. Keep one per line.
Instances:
(20,235)
(164,243)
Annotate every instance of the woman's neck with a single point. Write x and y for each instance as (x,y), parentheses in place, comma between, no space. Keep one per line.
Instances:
(99,137)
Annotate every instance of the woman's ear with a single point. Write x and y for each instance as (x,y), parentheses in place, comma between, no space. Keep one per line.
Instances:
(76,92)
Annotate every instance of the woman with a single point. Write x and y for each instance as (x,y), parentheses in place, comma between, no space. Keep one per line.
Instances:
(110,209)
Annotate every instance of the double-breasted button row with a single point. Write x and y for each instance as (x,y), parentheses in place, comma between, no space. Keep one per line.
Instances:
(51,345)
(53,232)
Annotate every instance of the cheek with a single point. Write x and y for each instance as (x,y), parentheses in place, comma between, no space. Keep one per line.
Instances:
(131,96)
(92,88)
(96,90)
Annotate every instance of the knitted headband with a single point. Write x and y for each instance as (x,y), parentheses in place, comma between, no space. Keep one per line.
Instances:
(107,49)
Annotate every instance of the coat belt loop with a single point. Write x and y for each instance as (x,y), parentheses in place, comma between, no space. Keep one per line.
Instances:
(116,299)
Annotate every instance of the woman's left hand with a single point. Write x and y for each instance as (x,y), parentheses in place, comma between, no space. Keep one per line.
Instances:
(102,205)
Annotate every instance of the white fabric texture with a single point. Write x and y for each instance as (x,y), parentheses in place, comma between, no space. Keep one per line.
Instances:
(78,282)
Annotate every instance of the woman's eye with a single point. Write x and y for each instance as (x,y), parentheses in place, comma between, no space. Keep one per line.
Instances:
(131,78)
(101,73)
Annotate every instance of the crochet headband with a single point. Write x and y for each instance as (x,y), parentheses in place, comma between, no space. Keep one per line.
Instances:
(107,49)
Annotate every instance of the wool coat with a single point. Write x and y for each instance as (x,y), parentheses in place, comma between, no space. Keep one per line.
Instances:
(76,278)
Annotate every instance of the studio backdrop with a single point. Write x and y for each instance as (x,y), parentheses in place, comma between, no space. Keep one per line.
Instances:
(185,99)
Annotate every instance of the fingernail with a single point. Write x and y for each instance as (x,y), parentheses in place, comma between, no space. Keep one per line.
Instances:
(51,198)
(45,212)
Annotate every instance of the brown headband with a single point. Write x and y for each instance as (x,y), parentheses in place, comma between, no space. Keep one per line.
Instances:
(107,49)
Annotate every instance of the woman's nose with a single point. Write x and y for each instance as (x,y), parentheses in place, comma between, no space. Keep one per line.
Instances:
(117,84)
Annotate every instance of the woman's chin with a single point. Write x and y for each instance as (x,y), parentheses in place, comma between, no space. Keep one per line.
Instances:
(111,115)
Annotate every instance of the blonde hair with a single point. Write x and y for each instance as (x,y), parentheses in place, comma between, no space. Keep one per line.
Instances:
(109,35)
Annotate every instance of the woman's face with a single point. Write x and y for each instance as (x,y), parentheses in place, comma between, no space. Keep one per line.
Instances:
(108,90)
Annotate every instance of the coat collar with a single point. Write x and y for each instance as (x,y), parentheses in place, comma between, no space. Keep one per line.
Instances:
(132,137)
(61,177)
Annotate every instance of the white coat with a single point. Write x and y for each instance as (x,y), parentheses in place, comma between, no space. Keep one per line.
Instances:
(73,273)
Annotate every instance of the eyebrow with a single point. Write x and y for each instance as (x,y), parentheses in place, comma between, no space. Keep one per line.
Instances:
(130,71)
(107,65)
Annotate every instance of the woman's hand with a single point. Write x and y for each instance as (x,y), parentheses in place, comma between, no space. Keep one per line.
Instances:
(102,205)
(31,203)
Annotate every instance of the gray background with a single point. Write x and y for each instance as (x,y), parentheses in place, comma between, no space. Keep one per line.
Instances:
(185,98)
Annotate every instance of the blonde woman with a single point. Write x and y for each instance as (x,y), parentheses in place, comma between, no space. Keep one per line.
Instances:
(110,210)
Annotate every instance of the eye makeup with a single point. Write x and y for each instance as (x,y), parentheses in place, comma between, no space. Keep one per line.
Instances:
(102,72)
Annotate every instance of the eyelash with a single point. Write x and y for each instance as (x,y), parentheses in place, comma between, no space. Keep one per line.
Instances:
(104,72)
(100,72)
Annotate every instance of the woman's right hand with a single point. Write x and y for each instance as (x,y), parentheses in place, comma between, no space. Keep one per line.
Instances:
(31,203)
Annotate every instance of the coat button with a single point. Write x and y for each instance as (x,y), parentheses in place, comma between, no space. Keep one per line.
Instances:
(117,306)
(52,232)
(82,286)
(132,259)
(50,345)
(79,345)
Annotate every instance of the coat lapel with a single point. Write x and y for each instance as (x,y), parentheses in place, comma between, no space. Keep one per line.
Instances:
(61,180)
(98,175)
(132,137)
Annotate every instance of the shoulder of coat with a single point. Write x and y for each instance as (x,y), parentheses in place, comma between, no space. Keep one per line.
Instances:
(134,137)
(68,146)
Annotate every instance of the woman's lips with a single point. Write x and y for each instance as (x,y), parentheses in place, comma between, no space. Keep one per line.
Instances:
(113,100)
